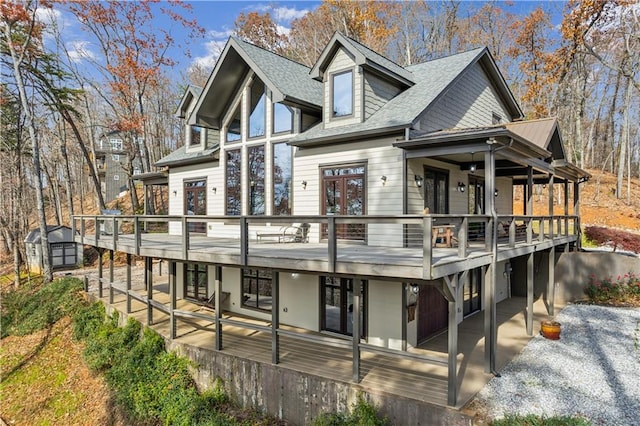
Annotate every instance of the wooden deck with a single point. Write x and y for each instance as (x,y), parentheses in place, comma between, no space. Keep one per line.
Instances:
(404,377)
(381,262)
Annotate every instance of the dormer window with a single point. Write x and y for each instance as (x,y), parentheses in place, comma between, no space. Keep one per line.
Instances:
(342,93)
(196,133)
(282,118)
(257,117)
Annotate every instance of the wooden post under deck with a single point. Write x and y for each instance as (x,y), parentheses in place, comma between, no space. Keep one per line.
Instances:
(148,267)
(576,212)
(172,299)
(452,339)
(217,277)
(100,273)
(551,285)
(489,285)
(530,272)
(275,317)
(111,277)
(128,283)
(357,291)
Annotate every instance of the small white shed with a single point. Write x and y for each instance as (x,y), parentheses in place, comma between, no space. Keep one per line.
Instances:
(64,252)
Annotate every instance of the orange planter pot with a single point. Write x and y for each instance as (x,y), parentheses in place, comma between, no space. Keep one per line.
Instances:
(550,329)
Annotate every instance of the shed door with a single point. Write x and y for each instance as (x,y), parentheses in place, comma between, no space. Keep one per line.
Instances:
(63,254)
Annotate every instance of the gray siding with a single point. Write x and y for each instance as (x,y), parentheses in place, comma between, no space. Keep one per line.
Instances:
(469,103)
(377,92)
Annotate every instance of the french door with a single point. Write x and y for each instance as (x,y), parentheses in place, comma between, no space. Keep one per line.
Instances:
(195,282)
(195,203)
(436,190)
(344,194)
(337,305)
(471,292)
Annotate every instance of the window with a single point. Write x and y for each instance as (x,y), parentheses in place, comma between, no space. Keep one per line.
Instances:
(337,305)
(233,182)
(195,281)
(282,176)
(115,157)
(62,254)
(495,118)
(256,289)
(116,177)
(196,133)
(282,118)
(342,94)
(234,127)
(136,171)
(436,193)
(256,180)
(116,144)
(257,117)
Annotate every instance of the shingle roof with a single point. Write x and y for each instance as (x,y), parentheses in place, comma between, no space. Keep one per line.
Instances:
(380,60)
(431,80)
(181,157)
(289,77)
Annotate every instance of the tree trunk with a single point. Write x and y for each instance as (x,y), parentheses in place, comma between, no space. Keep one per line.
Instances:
(623,141)
(35,143)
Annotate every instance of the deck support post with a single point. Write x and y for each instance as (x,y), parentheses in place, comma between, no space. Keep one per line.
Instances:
(275,317)
(452,351)
(100,272)
(148,267)
(86,284)
(111,277)
(128,282)
(217,278)
(405,288)
(576,213)
(551,203)
(566,208)
(331,244)
(530,272)
(490,331)
(551,288)
(172,299)
(357,291)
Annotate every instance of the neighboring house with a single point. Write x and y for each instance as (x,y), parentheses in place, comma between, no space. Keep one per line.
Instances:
(63,251)
(398,182)
(111,163)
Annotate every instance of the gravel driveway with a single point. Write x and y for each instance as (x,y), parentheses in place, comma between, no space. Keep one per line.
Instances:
(593,371)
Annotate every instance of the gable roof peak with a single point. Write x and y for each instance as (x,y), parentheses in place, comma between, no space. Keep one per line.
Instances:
(364,57)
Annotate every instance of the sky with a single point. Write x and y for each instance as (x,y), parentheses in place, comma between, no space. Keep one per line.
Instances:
(218,17)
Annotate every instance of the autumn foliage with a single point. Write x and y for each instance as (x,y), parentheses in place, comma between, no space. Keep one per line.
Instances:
(617,239)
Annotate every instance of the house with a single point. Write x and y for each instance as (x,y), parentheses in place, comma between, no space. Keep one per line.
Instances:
(400,181)
(111,159)
(63,251)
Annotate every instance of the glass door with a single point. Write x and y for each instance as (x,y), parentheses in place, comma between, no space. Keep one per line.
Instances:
(436,193)
(195,203)
(471,292)
(337,305)
(343,189)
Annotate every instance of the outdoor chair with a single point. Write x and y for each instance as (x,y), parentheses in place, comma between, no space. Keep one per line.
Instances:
(295,233)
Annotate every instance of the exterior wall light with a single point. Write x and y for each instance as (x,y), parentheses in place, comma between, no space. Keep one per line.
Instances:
(414,289)
(175,193)
(472,166)
(461,186)
(214,189)
(419,179)
(383,178)
(495,193)
(304,184)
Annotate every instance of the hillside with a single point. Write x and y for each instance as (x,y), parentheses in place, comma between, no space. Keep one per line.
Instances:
(598,203)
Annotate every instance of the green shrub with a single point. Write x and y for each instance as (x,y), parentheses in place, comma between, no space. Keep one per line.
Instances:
(533,420)
(362,413)
(33,307)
